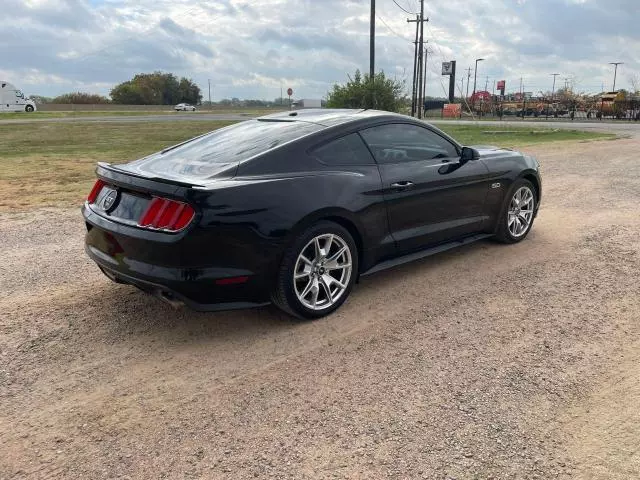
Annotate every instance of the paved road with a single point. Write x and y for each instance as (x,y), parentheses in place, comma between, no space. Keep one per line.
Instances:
(620,128)
(135,118)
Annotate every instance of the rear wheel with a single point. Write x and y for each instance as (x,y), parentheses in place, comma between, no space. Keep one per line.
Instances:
(518,212)
(317,272)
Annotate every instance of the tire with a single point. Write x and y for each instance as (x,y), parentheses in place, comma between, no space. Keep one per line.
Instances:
(313,273)
(28,108)
(507,231)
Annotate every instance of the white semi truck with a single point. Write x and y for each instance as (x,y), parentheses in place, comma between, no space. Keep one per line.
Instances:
(307,103)
(13,100)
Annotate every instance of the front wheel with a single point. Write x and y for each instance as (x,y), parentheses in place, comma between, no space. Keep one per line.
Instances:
(518,212)
(317,272)
(29,108)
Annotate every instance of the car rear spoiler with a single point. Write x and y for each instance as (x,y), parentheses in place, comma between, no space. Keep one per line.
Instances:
(159,185)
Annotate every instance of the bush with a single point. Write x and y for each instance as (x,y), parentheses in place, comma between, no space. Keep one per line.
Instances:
(359,92)
(81,98)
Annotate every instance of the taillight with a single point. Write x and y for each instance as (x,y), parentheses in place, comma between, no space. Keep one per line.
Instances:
(165,214)
(93,194)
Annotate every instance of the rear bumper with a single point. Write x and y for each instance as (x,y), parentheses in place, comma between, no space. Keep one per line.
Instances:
(167,270)
(170,295)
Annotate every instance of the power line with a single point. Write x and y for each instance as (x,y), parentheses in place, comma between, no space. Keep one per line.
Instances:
(442,57)
(392,30)
(402,8)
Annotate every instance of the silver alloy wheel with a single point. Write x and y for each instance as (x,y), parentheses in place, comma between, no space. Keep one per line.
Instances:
(322,271)
(520,213)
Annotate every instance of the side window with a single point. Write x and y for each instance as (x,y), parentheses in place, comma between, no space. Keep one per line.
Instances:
(401,142)
(347,150)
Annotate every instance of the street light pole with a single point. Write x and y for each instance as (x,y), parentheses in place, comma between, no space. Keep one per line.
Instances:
(553,91)
(615,73)
(475,74)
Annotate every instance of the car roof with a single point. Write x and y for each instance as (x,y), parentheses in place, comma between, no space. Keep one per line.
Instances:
(328,117)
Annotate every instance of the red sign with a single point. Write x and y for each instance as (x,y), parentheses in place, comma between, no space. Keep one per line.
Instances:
(481,96)
(451,110)
(289,91)
(501,84)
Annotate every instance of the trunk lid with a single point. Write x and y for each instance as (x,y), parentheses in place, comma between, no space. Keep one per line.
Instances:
(125,197)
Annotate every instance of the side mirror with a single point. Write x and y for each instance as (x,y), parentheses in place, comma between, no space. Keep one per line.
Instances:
(469,153)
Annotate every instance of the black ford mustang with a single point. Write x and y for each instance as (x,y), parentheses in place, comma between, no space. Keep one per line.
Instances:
(292,208)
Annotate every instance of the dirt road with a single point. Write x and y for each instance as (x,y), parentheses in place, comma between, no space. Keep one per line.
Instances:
(487,362)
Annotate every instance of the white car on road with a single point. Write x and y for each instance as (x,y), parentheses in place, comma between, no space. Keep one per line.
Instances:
(184,107)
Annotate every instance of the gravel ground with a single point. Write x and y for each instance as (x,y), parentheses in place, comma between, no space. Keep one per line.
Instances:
(490,361)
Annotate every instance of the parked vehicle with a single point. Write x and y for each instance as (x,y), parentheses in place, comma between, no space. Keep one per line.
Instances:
(307,103)
(292,208)
(184,107)
(13,100)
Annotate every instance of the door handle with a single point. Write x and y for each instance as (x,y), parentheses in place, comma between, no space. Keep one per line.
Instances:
(403,185)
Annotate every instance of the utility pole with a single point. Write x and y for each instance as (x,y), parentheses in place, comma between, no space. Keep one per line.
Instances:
(372,51)
(415,61)
(468,80)
(209,93)
(420,98)
(424,85)
(418,70)
(486,84)
(615,73)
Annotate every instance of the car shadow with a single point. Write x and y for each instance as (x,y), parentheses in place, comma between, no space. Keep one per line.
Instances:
(122,310)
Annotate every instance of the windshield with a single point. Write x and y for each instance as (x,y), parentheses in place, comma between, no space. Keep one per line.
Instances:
(204,156)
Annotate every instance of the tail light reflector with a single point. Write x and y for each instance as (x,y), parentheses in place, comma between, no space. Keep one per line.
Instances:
(232,280)
(93,194)
(165,214)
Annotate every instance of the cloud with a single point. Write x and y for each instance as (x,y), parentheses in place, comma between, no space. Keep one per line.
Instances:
(250,49)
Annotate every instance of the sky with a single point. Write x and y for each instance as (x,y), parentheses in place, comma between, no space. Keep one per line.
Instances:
(252,49)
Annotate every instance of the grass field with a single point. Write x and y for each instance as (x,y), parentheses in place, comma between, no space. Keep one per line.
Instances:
(52,164)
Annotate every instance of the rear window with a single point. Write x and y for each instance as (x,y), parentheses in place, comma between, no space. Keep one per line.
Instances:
(204,156)
(348,150)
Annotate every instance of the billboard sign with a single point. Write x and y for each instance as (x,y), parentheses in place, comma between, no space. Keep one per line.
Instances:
(447,68)
(451,110)
(501,84)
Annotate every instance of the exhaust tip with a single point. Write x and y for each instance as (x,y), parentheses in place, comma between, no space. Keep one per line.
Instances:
(167,297)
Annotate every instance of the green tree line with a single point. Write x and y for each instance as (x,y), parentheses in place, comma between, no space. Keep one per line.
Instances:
(156,88)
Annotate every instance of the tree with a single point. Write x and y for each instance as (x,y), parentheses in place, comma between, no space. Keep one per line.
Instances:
(80,98)
(156,88)
(635,82)
(359,92)
(39,99)
(189,92)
